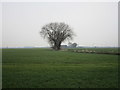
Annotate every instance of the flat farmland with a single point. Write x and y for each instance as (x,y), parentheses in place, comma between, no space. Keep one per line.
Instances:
(46,68)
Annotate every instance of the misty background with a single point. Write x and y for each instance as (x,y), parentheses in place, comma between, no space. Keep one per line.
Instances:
(94,23)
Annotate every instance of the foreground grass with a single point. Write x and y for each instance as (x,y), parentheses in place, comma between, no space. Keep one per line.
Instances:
(44,68)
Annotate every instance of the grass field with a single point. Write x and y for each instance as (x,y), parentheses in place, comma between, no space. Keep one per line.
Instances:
(45,68)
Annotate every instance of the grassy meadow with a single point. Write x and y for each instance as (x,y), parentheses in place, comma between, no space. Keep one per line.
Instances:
(46,68)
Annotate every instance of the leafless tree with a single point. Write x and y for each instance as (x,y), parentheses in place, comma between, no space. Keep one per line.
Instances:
(56,33)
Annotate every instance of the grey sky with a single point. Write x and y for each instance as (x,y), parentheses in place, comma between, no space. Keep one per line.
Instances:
(94,23)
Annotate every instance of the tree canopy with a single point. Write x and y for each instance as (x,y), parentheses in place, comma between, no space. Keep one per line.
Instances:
(56,33)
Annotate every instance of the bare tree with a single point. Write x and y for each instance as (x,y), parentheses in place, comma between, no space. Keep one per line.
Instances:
(56,33)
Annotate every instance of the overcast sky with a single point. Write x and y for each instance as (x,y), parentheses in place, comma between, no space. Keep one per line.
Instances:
(94,23)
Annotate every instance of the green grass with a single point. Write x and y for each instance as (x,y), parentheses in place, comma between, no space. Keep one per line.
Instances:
(45,68)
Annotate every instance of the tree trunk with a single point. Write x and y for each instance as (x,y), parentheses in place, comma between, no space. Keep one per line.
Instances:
(57,46)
